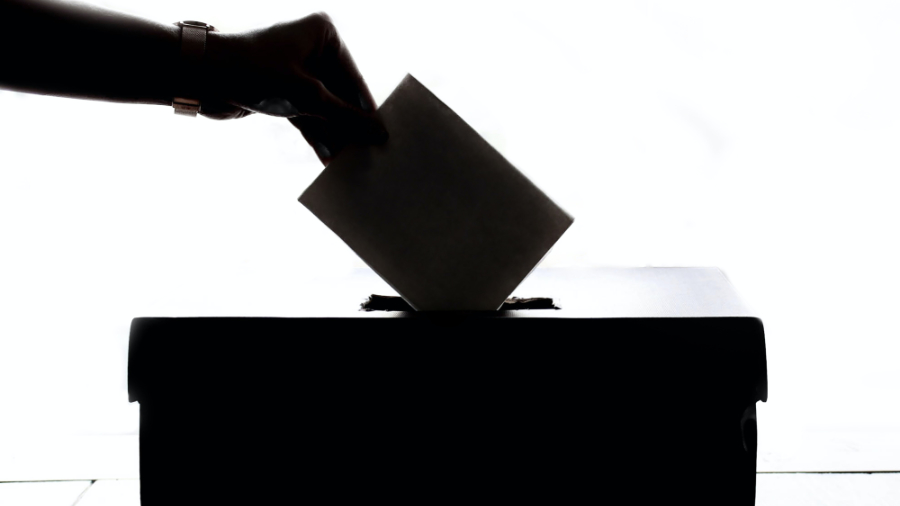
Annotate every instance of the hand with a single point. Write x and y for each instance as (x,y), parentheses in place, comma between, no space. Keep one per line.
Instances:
(299,70)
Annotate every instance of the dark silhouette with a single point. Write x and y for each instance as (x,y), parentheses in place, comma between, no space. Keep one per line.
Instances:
(494,409)
(656,405)
(300,70)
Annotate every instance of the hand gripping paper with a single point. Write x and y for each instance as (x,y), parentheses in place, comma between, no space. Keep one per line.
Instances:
(436,211)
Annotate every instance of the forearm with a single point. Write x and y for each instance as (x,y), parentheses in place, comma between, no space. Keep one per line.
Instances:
(80,51)
(299,70)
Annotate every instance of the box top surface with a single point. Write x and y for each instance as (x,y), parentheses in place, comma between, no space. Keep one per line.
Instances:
(642,292)
(667,305)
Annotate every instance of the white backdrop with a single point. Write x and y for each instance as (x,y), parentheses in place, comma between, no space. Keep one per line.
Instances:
(759,137)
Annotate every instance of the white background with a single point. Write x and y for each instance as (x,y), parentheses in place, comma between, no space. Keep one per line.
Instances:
(758,137)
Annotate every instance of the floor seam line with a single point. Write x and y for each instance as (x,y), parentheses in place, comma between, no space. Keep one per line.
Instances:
(78,499)
(828,472)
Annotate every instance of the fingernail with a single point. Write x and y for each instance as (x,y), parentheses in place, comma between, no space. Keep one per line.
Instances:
(363,102)
(322,152)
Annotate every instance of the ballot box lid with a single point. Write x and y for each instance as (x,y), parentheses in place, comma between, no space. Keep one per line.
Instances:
(692,315)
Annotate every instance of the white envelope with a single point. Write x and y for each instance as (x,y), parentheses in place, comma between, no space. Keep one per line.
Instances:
(436,211)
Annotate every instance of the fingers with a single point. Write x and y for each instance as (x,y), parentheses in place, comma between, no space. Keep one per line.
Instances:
(319,136)
(356,124)
(307,75)
(348,108)
(331,123)
(338,72)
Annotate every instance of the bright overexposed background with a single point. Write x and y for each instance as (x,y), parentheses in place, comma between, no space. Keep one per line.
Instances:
(759,137)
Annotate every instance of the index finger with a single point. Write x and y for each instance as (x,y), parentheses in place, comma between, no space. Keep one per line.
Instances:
(339,73)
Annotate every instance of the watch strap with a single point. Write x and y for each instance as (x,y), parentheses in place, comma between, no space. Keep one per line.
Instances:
(193,47)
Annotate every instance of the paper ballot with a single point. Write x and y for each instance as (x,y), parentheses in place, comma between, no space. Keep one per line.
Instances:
(436,211)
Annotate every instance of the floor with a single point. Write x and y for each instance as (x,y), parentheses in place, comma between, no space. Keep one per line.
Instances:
(773,489)
(103,470)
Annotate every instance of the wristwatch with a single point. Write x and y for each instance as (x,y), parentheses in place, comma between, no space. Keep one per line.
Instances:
(193,47)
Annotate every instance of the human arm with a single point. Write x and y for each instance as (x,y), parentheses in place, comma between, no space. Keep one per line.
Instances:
(300,70)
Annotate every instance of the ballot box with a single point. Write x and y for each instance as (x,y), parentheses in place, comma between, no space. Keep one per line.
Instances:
(642,387)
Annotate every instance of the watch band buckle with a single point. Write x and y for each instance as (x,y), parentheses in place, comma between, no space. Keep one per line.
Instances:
(186,106)
(197,24)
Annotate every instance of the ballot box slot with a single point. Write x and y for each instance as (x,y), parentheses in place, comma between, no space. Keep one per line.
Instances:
(395,303)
